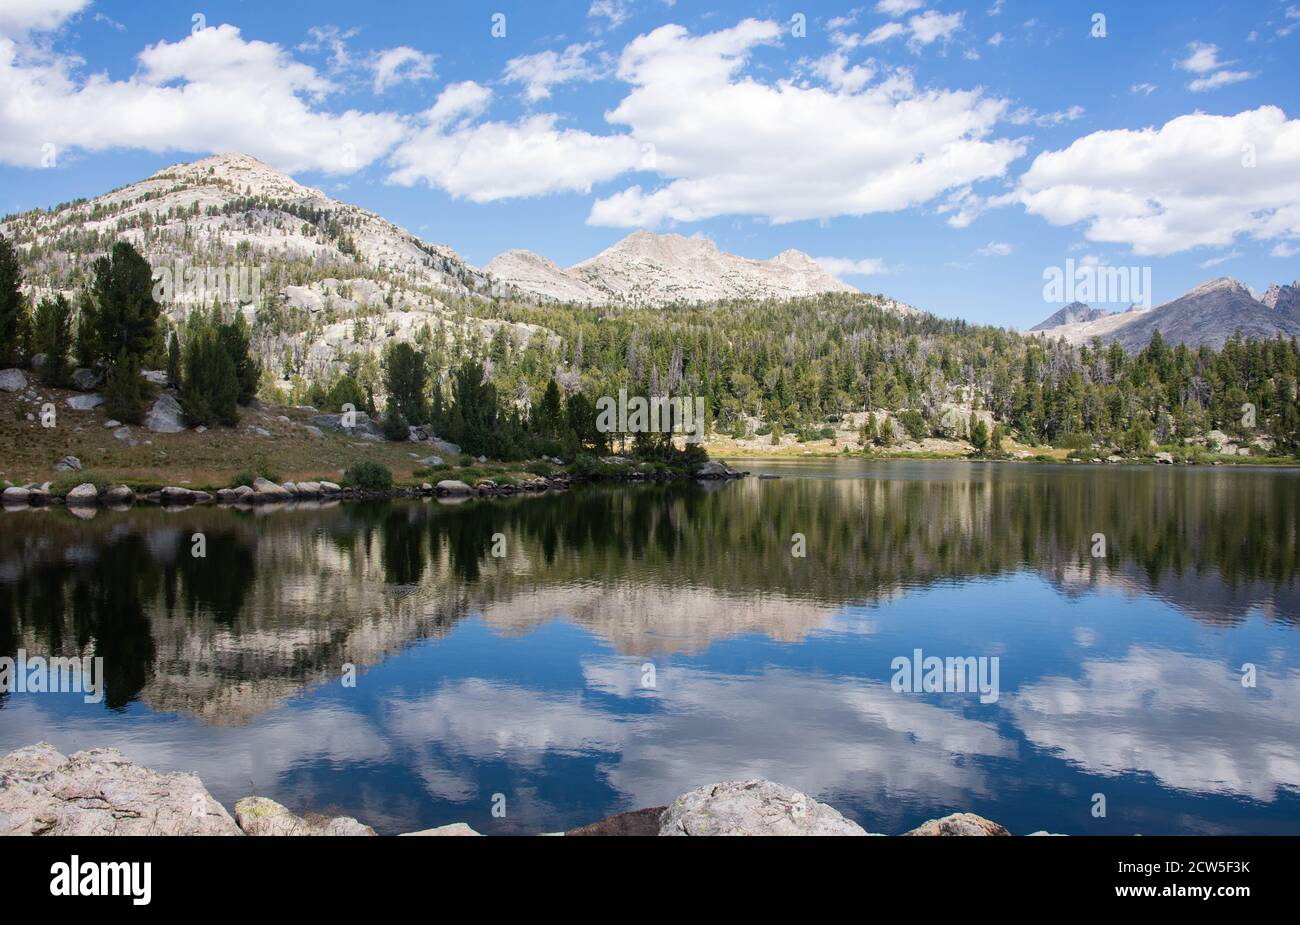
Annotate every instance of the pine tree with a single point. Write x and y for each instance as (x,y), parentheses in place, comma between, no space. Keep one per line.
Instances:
(126,317)
(405,375)
(52,336)
(125,392)
(209,384)
(12,304)
(173,361)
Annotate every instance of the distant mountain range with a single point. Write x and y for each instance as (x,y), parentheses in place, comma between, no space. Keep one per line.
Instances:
(652,269)
(1209,314)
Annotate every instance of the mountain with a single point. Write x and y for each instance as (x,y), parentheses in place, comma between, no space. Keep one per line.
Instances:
(652,269)
(335,279)
(1208,314)
(1285,299)
(1074,313)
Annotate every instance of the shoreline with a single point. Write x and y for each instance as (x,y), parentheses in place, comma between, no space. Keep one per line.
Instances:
(101,792)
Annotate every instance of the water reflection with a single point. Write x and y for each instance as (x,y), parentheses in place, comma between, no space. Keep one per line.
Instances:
(523,672)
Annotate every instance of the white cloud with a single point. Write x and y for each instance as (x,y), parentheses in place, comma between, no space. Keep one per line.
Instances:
(1222,258)
(1201,58)
(884,33)
(932,27)
(846,266)
(614,12)
(1144,88)
(994,249)
(898,7)
(211,91)
(539,72)
(1285,249)
(834,69)
(995,39)
(486,161)
(1219,79)
(1169,189)
(731,144)
(400,65)
(19,17)
(1025,116)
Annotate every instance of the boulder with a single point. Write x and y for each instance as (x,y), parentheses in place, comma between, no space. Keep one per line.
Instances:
(752,807)
(714,469)
(454,829)
(174,494)
(266,490)
(68,464)
(362,425)
(309,489)
(15,494)
(85,380)
(636,822)
(430,461)
(314,430)
(233,495)
(124,434)
(330,488)
(84,402)
(12,380)
(156,376)
(100,792)
(165,417)
(85,493)
(1165,459)
(118,494)
(452,487)
(260,816)
(959,824)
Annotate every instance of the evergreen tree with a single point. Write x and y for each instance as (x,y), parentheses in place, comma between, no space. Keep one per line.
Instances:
(234,339)
(125,392)
(126,316)
(548,418)
(405,375)
(12,304)
(209,383)
(173,361)
(53,337)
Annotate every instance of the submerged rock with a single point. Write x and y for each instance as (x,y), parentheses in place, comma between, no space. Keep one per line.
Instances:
(959,824)
(100,792)
(752,807)
(260,816)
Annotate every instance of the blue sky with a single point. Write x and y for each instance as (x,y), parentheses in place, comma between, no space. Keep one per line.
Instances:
(943,153)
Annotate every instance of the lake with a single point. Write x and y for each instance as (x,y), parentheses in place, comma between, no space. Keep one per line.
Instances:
(626,644)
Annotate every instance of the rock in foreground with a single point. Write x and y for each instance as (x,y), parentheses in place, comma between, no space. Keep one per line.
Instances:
(100,792)
(752,807)
(959,824)
(260,816)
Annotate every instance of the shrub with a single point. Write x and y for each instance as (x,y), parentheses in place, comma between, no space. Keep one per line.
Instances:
(367,475)
(394,425)
(125,392)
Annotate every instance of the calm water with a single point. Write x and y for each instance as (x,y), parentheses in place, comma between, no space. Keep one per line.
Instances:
(526,675)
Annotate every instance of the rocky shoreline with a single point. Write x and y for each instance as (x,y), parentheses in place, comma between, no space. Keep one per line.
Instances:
(101,792)
(265,492)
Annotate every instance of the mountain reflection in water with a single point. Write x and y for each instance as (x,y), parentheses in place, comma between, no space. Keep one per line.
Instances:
(525,674)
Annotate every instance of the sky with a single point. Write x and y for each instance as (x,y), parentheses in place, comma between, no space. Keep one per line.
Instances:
(948,155)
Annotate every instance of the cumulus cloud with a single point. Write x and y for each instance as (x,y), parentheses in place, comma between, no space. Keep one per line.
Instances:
(399,65)
(19,17)
(731,144)
(931,26)
(846,266)
(539,72)
(898,7)
(1197,181)
(1218,79)
(486,161)
(211,91)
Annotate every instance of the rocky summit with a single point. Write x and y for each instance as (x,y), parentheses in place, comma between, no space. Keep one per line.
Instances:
(1209,314)
(653,269)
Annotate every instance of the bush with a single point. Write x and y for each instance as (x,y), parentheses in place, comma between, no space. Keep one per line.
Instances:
(244,477)
(914,424)
(369,476)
